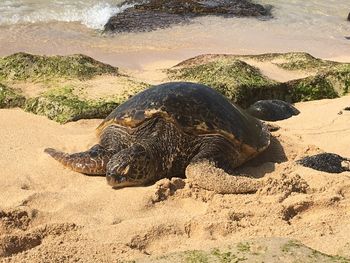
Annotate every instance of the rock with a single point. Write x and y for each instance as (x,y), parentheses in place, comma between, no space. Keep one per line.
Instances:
(245,84)
(349,17)
(64,81)
(271,250)
(63,106)
(154,14)
(311,88)
(272,110)
(24,66)
(235,79)
(9,98)
(326,162)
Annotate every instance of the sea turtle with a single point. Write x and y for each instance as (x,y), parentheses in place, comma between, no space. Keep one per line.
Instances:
(167,129)
(326,162)
(272,110)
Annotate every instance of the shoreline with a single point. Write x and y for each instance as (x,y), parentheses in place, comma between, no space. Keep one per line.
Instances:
(137,50)
(53,214)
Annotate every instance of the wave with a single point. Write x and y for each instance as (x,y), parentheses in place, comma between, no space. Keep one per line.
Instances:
(94,16)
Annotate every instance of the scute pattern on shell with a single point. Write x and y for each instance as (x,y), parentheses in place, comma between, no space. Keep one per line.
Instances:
(195,108)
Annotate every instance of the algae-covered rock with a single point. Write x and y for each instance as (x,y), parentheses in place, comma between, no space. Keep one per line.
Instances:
(10,98)
(295,61)
(311,88)
(23,66)
(235,79)
(339,78)
(63,105)
(273,250)
(244,84)
(68,86)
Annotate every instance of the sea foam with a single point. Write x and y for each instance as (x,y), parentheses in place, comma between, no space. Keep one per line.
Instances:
(92,15)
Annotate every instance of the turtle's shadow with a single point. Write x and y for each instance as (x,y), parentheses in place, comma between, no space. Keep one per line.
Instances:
(266,161)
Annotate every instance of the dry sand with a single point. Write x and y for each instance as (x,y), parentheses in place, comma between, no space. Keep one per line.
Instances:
(51,214)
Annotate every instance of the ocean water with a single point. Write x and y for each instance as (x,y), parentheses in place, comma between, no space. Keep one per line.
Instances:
(74,26)
(91,13)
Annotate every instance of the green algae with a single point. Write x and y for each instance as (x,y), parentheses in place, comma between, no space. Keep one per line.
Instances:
(311,88)
(295,61)
(64,80)
(196,256)
(9,98)
(275,250)
(243,247)
(237,80)
(24,66)
(62,105)
(245,84)
(339,78)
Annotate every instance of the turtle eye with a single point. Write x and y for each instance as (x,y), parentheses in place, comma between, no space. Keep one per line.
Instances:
(120,179)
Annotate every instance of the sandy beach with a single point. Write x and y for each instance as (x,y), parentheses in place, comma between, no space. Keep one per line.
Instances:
(49,213)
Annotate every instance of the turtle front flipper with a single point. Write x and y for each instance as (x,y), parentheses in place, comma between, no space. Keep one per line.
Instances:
(212,168)
(208,176)
(91,162)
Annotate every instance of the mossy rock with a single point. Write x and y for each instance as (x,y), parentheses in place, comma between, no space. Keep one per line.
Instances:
(272,250)
(311,88)
(339,78)
(10,98)
(62,105)
(23,66)
(296,61)
(245,84)
(235,79)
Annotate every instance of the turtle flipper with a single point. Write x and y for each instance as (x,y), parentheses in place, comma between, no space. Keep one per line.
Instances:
(212,168)
(91,162)
(208,176)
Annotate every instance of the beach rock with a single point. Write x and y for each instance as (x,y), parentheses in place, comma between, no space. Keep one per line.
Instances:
(154,14)
(235,79)
(58,86)
(244,84)
(272,250)
(326,162)
(62,105)
(24,66)
(311,88)
(9,98)
(272,110)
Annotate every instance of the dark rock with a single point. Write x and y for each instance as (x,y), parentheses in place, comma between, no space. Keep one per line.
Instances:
(326,162)
(272,110)
(154,14)
(10,98)
(349,17)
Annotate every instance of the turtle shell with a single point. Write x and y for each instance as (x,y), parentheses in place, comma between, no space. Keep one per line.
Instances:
(195,108)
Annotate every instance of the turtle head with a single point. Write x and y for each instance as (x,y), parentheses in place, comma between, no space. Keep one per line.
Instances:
(133,166)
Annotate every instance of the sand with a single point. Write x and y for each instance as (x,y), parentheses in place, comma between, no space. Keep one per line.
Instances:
(51,214)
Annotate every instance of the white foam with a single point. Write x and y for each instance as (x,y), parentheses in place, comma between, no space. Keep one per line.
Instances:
(92,15)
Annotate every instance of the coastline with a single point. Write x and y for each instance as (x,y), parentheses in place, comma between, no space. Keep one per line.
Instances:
(49,213)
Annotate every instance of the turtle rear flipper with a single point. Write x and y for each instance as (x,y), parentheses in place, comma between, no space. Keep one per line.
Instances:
(91,162)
